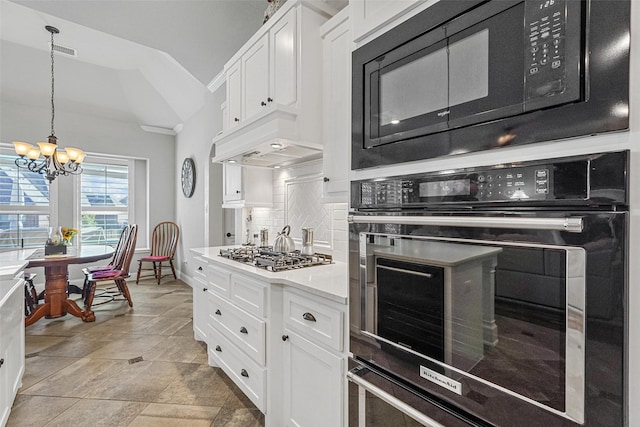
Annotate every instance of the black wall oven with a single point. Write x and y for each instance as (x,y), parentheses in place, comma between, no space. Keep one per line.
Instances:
(494,296)
(470,75)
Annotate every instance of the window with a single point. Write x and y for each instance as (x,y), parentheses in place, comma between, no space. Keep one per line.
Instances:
(104,201)
(24,205)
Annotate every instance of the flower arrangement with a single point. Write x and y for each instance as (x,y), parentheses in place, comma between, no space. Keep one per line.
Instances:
(68,233)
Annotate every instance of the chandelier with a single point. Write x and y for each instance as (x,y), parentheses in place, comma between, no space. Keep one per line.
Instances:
(54,161)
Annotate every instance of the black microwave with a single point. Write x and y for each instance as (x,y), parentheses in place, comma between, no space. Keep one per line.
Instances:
(470,75)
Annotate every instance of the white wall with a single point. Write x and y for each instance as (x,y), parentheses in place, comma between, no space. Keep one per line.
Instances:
(197,228)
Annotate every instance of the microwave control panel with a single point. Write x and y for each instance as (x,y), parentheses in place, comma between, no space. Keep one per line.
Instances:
(500,185)
(545,50)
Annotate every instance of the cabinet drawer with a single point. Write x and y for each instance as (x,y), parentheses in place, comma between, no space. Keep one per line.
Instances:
(200,269)
(248,294)
(314,320)
(247,375)
(219,280)
(240,327)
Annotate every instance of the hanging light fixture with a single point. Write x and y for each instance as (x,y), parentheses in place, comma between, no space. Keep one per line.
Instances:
(54,161)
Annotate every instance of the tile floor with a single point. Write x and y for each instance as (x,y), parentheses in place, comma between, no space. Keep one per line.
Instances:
(132,367)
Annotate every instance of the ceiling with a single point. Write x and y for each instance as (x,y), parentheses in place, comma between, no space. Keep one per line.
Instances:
(142,61)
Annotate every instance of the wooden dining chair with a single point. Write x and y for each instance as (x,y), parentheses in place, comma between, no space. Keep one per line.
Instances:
(164,241)
(116,260)
(118,275)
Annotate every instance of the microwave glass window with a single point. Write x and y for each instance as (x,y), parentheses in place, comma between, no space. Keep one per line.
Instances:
(413,89)
(469,68)
(447,77)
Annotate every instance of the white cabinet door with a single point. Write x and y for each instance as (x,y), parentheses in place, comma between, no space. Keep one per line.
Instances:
(336,101)
(246,186)
(283,49)
(200,311)
(234,95)
(232,182)
(314,384)
(370,15)
(11,348)
(255,66)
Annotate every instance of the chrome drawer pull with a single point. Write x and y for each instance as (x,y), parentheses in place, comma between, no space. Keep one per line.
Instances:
(218,348)
(308,316)
(218,313)
(244,373)
(243,330)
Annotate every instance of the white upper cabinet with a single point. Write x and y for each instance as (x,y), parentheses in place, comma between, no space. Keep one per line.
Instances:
(370,15)
(283,42)
(245,187)
(255,81)
(234,96)
(274,87)
(336,107)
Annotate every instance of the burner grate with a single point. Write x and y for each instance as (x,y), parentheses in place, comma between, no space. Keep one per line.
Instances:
(266,258)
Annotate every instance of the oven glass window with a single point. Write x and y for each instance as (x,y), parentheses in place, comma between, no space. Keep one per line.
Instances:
(495,311)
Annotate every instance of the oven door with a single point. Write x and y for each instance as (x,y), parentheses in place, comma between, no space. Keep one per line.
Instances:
(488,314)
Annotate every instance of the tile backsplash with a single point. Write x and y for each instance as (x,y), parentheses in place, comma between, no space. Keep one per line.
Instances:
(297,193)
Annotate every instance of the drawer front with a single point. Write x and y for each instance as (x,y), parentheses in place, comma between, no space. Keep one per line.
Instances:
(245,373)
(316,321)
(219,280)
(200,272)
(249,294)
(240,327)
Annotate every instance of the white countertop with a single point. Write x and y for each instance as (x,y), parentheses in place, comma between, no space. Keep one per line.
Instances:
(11,262)
(328,281)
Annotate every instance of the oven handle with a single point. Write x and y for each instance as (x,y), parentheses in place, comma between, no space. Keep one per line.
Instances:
(392,400)
(570,224)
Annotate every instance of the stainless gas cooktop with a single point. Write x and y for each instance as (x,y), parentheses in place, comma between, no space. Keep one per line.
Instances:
(264,257)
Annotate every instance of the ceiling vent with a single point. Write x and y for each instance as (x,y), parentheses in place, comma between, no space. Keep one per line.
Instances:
(63,49)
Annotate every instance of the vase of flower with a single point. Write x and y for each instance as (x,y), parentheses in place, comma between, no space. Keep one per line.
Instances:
(68,234)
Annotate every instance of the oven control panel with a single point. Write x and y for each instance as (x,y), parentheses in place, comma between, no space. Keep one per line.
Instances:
(508,184)
(599,179)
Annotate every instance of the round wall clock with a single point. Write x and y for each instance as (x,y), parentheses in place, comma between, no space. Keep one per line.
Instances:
(188,177)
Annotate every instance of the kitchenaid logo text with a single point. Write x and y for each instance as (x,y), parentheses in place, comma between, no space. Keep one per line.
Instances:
(441,380)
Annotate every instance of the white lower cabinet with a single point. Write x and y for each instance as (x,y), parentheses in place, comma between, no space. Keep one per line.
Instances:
(283,347)
(313,383)
(11,343)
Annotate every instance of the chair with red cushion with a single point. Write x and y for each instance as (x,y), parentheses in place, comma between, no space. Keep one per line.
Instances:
(117,259)
(164,241)
(118,274)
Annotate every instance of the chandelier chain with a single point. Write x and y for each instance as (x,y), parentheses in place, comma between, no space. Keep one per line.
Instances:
(53,108)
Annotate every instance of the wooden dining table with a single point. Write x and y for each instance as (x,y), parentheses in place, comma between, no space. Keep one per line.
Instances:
(56,302)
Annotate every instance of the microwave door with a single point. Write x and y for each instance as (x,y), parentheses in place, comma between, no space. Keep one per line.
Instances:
(485,72)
